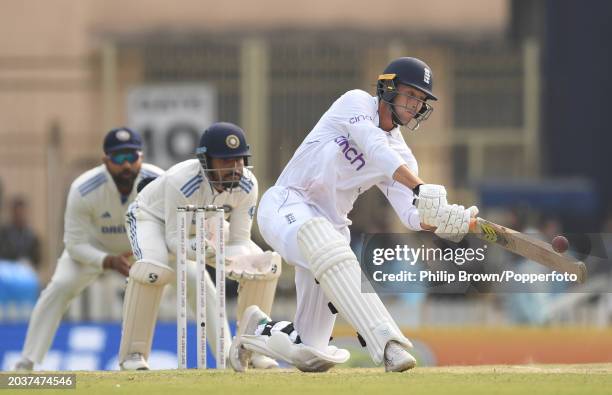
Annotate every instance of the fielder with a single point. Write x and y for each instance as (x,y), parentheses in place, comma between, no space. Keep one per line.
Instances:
(218,177)
(355,145)
(94,236)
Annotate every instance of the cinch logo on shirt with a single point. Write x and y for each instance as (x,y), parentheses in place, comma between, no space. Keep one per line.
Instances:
(360,118)
(113,229)
(349,152)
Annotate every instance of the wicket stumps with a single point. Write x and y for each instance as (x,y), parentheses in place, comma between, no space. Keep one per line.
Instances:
(183,226)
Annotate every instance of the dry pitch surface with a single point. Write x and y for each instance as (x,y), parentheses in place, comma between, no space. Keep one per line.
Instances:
(473,380)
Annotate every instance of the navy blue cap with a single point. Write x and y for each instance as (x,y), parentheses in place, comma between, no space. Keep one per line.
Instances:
(122,138)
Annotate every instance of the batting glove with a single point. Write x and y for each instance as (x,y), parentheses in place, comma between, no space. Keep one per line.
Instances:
(454,222)
(430,198)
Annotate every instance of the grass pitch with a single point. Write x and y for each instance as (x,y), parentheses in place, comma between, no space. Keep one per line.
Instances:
(527,379)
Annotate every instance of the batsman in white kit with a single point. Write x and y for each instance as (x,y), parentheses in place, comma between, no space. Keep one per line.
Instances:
(94,236)
(220,177)
(355,145)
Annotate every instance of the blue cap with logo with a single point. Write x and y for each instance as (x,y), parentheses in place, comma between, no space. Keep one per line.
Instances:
(122,139)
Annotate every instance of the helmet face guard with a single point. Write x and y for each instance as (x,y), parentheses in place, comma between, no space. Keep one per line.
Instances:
(387,92)
(215,176)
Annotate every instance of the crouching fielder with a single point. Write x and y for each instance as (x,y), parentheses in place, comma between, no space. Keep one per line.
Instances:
(94,236)
(355,145)
(218,177)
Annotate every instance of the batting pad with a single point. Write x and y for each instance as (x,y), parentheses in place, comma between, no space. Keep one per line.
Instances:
(335,267)
(140,306)
(258,292)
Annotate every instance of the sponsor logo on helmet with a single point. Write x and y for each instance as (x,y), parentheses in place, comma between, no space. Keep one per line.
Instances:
(426,75)
(232,141)
(153,277)
(349,152)
(122,135)
(389,76)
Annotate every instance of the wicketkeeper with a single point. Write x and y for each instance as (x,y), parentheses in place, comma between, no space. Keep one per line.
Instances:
(219,176)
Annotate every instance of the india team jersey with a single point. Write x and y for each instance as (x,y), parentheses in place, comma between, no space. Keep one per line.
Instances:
(344,155)
(94,223)
(186,184)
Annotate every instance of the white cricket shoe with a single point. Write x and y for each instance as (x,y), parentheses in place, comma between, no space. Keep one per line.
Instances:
(259,361)
(24,365)
(134,361)
(397,359)
(240,357)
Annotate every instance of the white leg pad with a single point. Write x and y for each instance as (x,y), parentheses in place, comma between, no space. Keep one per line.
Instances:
(336,268)
(140,306)
(307,359)
(256,292)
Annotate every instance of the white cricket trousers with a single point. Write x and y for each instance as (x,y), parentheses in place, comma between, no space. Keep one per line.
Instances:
(281,213)
(68,281)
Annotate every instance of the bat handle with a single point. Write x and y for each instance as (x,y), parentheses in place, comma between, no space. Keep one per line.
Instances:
(473,224)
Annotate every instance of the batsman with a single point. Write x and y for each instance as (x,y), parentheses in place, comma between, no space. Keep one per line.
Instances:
(355,145)
(219,176)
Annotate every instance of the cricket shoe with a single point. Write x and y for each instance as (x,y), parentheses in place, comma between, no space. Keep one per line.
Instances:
(134,361)
(240,357)
(24,365)
(397,359)
(259,361)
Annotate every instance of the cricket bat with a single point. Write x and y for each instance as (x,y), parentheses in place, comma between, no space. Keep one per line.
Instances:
(528,247)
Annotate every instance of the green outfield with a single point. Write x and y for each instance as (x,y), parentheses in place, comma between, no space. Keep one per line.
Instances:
(538,379)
